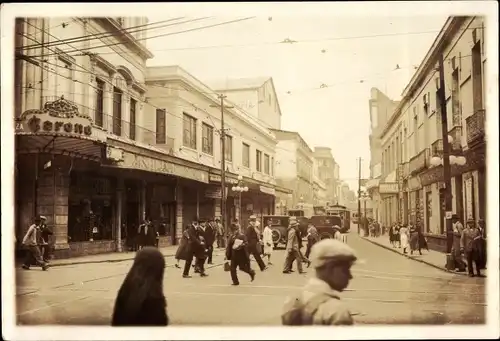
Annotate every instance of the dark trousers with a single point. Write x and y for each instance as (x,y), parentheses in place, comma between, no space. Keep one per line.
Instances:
(258,259)
(220,240)
(472,258)
(290,257)
(199,264)
(243,265)
(34,257)
(210,251)
(45,251)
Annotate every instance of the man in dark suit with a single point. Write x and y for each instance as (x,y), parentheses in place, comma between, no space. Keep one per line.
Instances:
(210,233)
(196,249)
(253,239)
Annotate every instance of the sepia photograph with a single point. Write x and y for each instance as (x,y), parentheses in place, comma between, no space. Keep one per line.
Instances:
(250,165)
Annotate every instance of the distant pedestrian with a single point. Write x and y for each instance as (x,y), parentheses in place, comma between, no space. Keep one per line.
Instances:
(267,240)
(183,249)
(196,250)
(253,239)
(32,240)
(312,238)
(470,245)
(45,234)
(397,236)
(404,237)
(319,301)
(210,235)
(456,253)
(292,249)
(140,300)
(220,233)
(481,225)
(237,253)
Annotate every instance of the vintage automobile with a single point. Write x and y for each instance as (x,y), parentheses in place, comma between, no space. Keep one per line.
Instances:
(326,225)
(279,226)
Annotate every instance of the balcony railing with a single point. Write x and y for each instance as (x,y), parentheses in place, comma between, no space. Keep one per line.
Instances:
(476,128)
(437,148)
(419,162)
(456,134)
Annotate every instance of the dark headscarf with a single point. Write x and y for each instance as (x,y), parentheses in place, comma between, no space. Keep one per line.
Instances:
(140,300)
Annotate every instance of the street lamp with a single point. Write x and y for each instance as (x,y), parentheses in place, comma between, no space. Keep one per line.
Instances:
(240,189)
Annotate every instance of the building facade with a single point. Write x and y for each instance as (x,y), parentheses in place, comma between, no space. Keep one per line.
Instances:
(96,159)
(71,103)
(328,172)
(414,134)
(320,190)
(257,96)
(381,109)
(294,168)
(186,116)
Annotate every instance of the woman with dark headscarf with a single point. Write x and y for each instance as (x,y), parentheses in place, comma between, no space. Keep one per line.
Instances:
(140,300)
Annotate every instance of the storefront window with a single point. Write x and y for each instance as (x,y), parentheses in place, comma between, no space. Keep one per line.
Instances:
(91,207)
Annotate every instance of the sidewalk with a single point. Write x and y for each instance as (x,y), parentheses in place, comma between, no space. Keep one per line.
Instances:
(433,258)
(113,257)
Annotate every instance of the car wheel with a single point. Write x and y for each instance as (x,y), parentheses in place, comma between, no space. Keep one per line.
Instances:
(276,235)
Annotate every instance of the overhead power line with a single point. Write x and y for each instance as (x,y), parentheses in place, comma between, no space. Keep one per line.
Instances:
(152,37)
(102,35)
(288,41)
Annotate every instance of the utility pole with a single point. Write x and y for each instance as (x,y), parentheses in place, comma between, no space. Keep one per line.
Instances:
(446,157)
(359,194)
(223,163)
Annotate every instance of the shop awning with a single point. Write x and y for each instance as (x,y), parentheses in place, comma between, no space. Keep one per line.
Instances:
(76,146)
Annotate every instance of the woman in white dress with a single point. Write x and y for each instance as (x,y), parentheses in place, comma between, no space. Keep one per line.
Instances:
(267,240)
(404,237)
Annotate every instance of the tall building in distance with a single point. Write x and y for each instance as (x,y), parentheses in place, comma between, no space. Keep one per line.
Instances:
(256,96)
(294,168)
(381,110)
(328,172)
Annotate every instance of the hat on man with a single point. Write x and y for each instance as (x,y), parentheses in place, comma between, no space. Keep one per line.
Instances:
(293,222)
(331,250)
(470,221)
(454,217)
(42,217)
(196,219)
(253,217)
(217,219)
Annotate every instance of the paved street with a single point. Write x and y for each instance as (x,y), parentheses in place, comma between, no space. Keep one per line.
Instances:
(387,288)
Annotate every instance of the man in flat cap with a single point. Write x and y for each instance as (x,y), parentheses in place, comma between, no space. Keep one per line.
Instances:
(32,241)
(292,248)
(253,239)
(319,302)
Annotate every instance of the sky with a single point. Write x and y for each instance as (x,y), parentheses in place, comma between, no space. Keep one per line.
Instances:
(349,54)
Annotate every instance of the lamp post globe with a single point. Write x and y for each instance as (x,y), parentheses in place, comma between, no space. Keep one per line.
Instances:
(435,161)
(240,177)
(461,160)
(450,139)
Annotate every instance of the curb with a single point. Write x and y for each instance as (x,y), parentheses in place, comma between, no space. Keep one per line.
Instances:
(104,261)
(413,258)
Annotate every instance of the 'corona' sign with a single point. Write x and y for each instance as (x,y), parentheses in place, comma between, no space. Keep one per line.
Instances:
(59,116)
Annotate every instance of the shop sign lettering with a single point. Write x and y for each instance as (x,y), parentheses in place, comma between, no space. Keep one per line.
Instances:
(36,125)
(388,188)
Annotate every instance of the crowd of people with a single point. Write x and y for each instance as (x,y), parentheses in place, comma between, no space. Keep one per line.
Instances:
(141,301)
